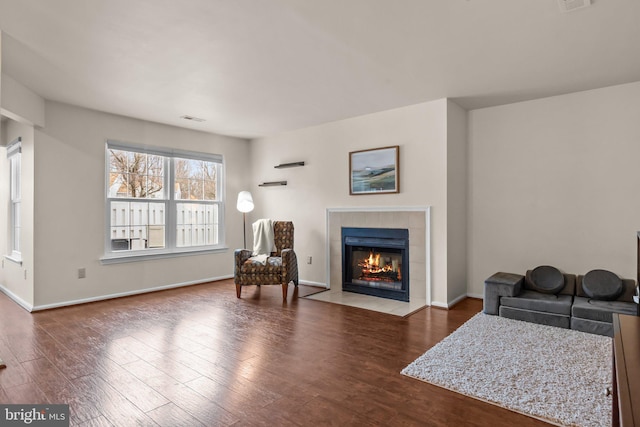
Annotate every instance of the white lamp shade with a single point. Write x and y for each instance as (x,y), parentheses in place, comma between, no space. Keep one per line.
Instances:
(245,201)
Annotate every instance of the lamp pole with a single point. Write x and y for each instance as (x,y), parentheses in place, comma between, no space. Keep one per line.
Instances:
(244,228)
(244,205)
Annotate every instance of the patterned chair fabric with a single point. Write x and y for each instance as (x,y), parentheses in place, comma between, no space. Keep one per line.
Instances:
(281,267)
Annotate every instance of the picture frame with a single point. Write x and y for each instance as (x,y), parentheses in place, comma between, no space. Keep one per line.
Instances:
(374,171)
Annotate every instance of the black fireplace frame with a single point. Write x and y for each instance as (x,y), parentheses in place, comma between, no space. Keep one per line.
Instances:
(383,238)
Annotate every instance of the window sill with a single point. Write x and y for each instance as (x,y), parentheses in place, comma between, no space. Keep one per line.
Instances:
(14,258)
(119,259)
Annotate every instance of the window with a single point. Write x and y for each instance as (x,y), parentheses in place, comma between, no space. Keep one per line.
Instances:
(14,155)
(162,201)
(197,213)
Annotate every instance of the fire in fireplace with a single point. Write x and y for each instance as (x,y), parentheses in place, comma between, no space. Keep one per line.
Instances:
(377,268)
(375,262)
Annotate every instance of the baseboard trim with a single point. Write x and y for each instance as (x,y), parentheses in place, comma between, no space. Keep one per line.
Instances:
(455,301)
(31,308)
(22,303)
(126,294)
(310,283)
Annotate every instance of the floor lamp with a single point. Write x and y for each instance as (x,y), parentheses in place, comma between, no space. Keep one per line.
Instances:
(244,205)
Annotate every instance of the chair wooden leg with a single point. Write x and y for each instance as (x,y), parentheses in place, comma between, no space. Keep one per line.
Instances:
(285,288)
(238,290)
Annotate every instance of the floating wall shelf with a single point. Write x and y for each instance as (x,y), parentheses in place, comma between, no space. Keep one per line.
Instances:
(289,165)
(272,183)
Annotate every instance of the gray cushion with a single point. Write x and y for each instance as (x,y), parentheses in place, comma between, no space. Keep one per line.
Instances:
(501,278)
(602,285)
(592,326)
(600,311)
(546,303)
(549,319)
(546,279)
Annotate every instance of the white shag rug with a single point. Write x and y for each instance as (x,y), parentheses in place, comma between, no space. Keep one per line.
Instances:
(554,374)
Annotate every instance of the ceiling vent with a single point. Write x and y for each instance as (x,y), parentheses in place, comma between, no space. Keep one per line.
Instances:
(571,5)
(193,119)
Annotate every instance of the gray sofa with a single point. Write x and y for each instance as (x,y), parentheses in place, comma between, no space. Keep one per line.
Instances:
(545,295)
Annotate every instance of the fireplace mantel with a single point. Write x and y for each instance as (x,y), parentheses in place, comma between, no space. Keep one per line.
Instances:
(415,219)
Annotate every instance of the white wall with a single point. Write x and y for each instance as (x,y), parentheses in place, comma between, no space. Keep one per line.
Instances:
(555,181)
(20,103)
(70,205)
(17,279)
(457,180)
(23,108)
(1,125)
(420,131)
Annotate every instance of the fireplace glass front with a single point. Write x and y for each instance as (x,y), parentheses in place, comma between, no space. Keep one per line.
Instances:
(376,267)
(375,262)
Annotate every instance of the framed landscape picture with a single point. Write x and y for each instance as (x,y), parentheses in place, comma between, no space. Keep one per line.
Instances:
(374,171)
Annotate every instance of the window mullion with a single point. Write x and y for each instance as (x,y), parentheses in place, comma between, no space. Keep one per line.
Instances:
(171,211)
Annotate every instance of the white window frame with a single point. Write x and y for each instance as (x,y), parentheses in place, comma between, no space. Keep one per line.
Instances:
(14,156)
(170,210)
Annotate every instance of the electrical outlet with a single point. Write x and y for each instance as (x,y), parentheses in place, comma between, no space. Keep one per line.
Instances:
(82,273)
(309,259)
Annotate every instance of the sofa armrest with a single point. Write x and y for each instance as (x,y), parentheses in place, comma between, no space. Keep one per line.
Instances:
(500,285)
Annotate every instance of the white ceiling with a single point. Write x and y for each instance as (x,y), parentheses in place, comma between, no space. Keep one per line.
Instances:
(259,67)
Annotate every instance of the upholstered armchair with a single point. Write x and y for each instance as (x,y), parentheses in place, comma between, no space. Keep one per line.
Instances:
(281,266)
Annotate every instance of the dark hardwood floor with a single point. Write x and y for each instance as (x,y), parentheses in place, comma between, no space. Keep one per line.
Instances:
(199,356)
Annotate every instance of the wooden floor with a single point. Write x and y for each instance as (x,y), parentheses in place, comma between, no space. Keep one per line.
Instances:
(199,356)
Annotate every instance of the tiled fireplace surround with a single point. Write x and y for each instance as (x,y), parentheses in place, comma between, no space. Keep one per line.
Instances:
(416,220)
